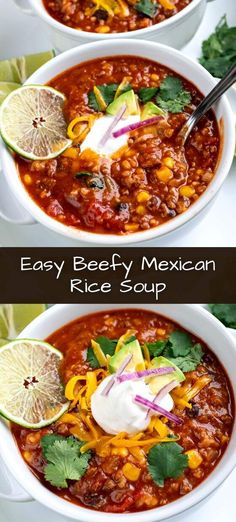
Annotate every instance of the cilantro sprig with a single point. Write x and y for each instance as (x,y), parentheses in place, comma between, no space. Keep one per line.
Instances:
(166,460)
(226,313)
(63,459)
(219,50)
(108,92)
(172,96)
(108,347)
(179,349)
(145,94)
(147,7)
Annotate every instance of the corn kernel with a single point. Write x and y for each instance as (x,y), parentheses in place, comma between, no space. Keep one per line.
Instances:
(168,162)
(27,456)
(164,174)
(186,191)
(161,331)
(71,153)
(33,438)
(122,452)
(131,227)
(27,179)
(131,472)
(103,29)
(141,210)
(194,459)
(143,196)
(154,77)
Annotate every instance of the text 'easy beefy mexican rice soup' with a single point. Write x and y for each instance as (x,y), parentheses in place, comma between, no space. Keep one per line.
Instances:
(113,16)
(124,171)
(150,414)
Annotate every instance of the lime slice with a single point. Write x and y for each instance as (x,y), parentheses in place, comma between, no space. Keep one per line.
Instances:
(32,122)
(6,88)
(14,317)
(31,392)
(19,69)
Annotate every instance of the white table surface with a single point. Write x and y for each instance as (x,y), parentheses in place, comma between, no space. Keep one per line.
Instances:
(21,34)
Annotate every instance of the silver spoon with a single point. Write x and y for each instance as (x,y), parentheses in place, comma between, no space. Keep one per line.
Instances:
(222,86)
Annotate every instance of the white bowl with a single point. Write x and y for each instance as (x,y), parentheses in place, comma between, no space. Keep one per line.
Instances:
(168,57)
(196,320)
(175,31)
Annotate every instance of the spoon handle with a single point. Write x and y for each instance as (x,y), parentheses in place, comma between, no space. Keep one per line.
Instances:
(211,98)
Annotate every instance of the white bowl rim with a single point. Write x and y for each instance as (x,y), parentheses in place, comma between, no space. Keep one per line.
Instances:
(49,499)
(161,230)
(78,34)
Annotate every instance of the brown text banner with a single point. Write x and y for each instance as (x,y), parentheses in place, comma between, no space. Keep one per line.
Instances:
(120,275)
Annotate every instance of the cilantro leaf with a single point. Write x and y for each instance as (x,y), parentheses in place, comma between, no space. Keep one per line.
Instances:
(156,348)
(226,313)
(108,347)
(189,362)
(107,92)
(172,96)
(145,94)
(179,344)
(146,7)
(166,460)
(64,460)
(48,440)
(219,50)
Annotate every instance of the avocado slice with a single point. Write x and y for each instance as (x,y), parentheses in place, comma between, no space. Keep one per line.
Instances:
(130,99)
(156,383)
(150,109)
(133,348)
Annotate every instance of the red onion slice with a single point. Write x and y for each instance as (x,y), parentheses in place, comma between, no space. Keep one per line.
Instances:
(154,407)
(116,120)
(119,371)
(137,125)
(163,391)
(145,373)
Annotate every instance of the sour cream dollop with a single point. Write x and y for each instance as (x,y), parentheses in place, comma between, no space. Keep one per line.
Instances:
(117,411)
(98,130)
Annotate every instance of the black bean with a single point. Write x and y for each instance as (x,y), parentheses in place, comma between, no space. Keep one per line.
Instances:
(101,14)
(122,207)
(195,410)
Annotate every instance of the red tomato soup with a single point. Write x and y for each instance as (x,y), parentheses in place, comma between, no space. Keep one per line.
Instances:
(122,472)
(139,179)
(113,16)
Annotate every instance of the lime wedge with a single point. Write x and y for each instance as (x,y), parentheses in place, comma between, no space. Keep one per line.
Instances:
(14,317)
(31,392)
(19,69)
(32,122)
(6,88)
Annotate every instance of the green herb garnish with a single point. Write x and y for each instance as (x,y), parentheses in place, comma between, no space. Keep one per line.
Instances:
(219,50)
(156,348)
(146,7)
(82,173)
(172,96)
(190,361)
(166,460)
(226,313)
(145,94)
(108,347)
(64,460)
(108,93)
(179,349)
